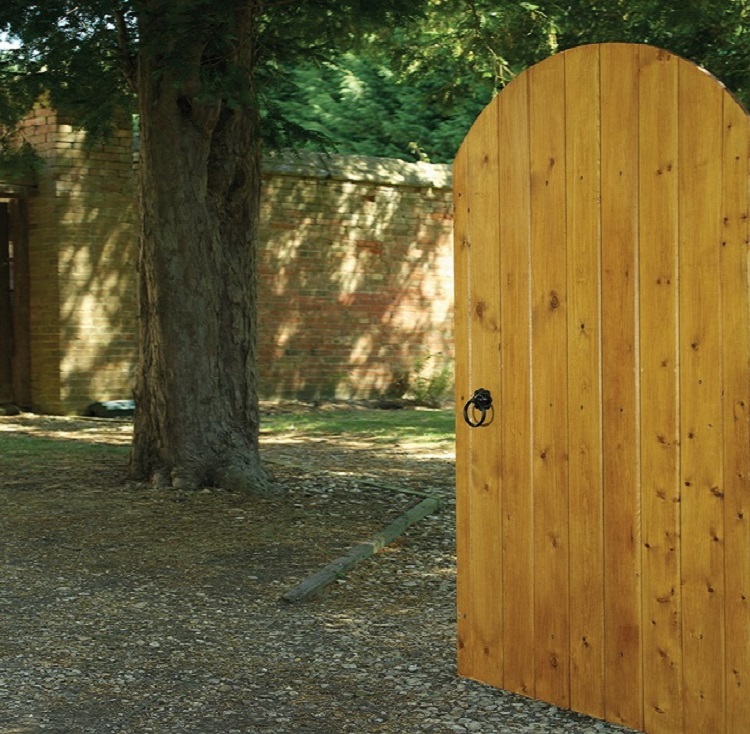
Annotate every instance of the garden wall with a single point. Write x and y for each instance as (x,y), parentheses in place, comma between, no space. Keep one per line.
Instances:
(80,260)
(356,276)
(355,272)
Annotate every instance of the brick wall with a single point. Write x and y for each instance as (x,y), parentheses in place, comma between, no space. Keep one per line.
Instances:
(355,272)
(356,275)
(81,266)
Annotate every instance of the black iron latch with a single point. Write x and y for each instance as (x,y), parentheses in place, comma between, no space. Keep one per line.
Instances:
(480,401)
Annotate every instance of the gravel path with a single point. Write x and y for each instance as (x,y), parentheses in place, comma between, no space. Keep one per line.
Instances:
(127,610)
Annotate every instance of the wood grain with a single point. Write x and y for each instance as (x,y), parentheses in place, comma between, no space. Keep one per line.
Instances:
(549,379)
(701,434)
(583,211)
(736,416)
(516,446)
(621,386)
(603,296)
(462,324)
(659,361)
(485,476)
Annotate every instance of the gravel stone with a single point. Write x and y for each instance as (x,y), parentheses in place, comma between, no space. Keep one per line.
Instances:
(126,609)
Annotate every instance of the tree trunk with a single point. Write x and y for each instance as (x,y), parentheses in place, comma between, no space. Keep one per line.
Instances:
(196,420)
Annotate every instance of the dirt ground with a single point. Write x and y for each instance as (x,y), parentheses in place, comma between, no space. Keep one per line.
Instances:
(91,560)
(126,609)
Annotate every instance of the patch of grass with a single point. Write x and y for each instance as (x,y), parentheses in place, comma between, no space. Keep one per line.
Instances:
(18,448)
(386,426)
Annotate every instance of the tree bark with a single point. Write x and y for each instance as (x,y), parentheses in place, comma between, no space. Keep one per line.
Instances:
(197,419)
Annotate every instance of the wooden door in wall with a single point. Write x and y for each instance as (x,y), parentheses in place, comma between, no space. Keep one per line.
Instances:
(603,504)
(15,342)
(6,314)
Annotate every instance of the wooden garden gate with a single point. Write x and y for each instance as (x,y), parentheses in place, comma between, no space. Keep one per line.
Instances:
(602,298)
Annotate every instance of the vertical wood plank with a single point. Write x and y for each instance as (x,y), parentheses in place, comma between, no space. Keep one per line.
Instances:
(485,498)
(659,412)
(736,352)
(702,512)
(515,291)
(549,379)
(582,119)
(462,298)
(620,386)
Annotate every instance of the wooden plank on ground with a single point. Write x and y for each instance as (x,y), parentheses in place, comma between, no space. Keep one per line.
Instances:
(659,415)
(623,679)
(336,569)
(549,379)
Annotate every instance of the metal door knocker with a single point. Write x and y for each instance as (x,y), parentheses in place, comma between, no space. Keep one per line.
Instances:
(480,401)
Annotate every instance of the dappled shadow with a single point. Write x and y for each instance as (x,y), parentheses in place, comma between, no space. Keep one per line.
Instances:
(414,463)
(135,608)
(355,291)
(81,267)
(131,605)
(97,251)
(419,466)
(76,429)
(356,279)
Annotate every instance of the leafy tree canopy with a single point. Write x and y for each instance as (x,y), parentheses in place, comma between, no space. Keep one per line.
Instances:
(713,34)
(81,56)
(202,72)
(213,79)
(387,78)
(412,91)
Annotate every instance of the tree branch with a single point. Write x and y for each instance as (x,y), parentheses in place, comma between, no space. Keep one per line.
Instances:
(276,3)
(127,58)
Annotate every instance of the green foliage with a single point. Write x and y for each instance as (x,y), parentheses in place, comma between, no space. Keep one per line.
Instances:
(465,44)
(401,78)
(20,450)
(17,162)
(412,91)
(68,53)
(430,385)
(359,105)
(715,35)
(83,55)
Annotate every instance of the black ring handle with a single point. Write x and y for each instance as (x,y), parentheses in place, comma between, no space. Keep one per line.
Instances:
(481,400)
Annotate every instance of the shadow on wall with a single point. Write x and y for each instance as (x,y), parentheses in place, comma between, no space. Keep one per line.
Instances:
(356,277)
(98,297)
(355,273)
(82,238)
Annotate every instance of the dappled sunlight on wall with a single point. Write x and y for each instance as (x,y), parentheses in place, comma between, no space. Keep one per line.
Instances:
(82,267)
(355,273)
(97,312)
(355,277)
